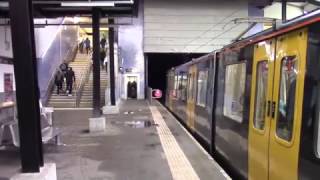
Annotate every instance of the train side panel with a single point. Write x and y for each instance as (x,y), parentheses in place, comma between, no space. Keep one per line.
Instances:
(202,124)
(309,154)
(231,114)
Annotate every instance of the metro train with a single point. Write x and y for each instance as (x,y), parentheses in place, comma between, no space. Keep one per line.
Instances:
(256,102)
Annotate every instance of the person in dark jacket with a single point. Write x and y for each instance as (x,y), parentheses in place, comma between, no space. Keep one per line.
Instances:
(102,57)
(88,45)
(103,42)
(59,80)
(70,79)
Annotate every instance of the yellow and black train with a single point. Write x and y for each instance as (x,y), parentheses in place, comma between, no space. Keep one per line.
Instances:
(256,103)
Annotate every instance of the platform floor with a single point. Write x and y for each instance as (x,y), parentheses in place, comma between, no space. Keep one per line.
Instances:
(143,142)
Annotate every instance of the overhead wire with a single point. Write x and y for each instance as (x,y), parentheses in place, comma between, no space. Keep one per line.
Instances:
(215,37)
(210,28)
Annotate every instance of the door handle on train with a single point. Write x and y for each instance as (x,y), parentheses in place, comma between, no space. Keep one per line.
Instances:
(273,109)
(268,108)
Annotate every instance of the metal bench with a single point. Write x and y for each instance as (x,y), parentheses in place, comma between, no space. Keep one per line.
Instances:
(48,132)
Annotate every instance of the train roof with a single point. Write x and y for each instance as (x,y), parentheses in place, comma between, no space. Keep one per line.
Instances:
(196,60)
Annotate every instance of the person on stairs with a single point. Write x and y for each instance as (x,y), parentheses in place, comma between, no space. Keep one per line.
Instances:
(59,80)
(70,78)
(88,45)
(102,57)
(103,42)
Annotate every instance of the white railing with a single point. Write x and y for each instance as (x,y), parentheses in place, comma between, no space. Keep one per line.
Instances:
(84,75)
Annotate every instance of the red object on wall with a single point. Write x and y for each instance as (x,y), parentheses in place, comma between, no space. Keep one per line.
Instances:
(156,93)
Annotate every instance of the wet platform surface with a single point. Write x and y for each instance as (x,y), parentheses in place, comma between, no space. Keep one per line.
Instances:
(141,143)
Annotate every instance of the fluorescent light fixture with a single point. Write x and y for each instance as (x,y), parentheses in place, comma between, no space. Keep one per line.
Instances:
(4,4)
(124,2)
(88,4)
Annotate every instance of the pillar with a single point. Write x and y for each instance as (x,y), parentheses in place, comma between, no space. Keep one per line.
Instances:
(27,91)
(96,62)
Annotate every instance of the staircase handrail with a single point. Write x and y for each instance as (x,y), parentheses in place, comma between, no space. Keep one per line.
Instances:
(83,79)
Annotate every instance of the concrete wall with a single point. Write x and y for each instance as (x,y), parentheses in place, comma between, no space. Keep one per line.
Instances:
(191,26)
(130,42)
(5,40)
(57,46)
(53,43)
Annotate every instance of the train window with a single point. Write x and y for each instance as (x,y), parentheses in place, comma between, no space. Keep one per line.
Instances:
(183,86)
(235,77)
(176,82)
(176,85)
(179,86)
(287,97)
(261,94)
(190,87)
(202,88)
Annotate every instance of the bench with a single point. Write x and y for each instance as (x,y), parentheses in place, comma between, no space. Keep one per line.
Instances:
(48,131)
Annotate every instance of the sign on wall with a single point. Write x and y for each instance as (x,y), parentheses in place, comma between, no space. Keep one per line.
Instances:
(8,86)
(156,93)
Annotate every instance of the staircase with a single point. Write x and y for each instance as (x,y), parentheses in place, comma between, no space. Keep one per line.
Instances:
(86,98)
(79,66)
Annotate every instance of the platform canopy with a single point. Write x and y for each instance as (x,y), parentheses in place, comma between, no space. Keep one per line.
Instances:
(60,8)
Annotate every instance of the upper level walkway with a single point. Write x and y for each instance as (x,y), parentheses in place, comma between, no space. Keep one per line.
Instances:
(143,142)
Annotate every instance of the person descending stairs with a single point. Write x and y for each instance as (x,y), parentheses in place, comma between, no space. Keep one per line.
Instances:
(62,100)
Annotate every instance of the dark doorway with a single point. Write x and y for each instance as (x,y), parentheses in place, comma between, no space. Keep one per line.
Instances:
(160,63)
(132,87)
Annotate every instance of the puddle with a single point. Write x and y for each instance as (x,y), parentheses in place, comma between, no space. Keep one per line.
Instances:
(136,124)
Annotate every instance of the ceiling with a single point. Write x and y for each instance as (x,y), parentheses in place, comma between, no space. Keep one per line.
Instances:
(54,8)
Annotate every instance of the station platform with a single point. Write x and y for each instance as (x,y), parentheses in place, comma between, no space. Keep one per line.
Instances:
(143,142)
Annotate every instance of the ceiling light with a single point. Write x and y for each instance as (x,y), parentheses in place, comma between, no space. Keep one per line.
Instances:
(124,2)
(4,4)
(87,4)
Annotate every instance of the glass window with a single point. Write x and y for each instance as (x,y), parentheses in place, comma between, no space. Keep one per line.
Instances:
(184,86)
(190,87)
(261,95)
(176,85)
(176,82)
(287,97)
(202,88)
(235,77)
(179,86)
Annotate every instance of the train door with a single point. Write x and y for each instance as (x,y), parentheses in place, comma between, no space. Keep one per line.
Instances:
(169,89)
(274,132)
(191,95)
(287,100)
(261,93)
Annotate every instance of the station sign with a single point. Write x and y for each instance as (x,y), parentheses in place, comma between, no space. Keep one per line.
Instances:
(156,93)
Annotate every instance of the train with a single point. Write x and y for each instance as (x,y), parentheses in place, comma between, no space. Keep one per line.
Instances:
(255,103)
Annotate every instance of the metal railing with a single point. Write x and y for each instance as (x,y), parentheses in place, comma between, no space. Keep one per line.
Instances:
(84,76)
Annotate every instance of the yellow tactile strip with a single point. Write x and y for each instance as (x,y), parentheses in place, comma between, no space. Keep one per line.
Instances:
(180,166)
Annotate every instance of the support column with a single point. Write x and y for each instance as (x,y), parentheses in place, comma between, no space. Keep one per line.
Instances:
(96,62)
(284,10)
(27,91)
(111,53)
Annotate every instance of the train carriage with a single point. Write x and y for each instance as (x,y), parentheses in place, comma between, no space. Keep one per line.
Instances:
(256,102)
